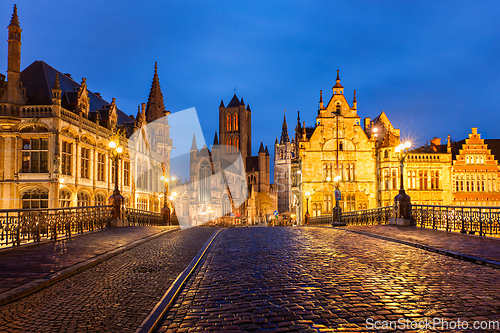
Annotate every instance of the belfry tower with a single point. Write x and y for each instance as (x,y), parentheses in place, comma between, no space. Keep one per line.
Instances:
(235,126)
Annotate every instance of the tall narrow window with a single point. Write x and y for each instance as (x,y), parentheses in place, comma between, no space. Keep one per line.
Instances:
(101,161)
(394,179)
(126,173)
(66,158)
(205,186)
(236,127)
(228,122)
(35,155)
(85,163)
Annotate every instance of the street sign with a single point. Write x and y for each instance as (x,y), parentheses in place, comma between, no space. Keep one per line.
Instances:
(275,213)
(337,195)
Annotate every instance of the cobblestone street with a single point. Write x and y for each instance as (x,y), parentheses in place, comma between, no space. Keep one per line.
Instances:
(320,279)
(114,296)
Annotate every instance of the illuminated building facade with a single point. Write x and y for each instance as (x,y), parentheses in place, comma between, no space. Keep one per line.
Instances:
(365,159)
(54,140)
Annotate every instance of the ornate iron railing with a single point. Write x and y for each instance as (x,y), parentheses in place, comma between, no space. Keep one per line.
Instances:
(142,217)
(32,225)
(359,217)
(372,216)
(483,221)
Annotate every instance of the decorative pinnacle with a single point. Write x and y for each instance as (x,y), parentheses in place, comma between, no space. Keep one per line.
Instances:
(354,100)
(14,22)
(321,96)
(56,83)
(338,76)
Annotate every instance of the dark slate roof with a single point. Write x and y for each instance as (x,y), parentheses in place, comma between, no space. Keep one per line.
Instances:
(38,79)
(234,102)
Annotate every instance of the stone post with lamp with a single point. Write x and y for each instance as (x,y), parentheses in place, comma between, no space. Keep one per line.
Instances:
(402,201)
(118,218)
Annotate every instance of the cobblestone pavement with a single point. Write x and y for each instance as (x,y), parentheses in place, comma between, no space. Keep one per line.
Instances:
(319,279)
(482,247)
(20,265)
(113,296)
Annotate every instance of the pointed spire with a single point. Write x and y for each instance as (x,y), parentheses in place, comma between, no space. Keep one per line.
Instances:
(193,144)
(261,148)
(155,108)
(276,142)
(354,102)
(56,83)
(221,103)
(216,139)
(242,103)
(448,145)
(267,151)
(337,84)
(284,131)
(14,21)
(321,104)
(248,108)
(234,102)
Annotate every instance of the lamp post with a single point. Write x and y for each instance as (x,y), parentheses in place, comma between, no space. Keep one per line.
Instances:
(336,185)
(166,209)
(308,194)
(402,201)
(116,199)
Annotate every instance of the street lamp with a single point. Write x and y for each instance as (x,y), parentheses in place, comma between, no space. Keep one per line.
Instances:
(116,199)
(402,200)
(308,194)
(336,185)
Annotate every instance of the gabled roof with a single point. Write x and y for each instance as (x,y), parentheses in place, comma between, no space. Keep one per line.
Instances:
(39,78)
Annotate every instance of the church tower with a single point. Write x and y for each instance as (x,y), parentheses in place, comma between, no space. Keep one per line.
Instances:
(13,94)
(283,153)
(235,127)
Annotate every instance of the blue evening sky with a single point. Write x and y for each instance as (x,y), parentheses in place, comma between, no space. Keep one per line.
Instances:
(432,66)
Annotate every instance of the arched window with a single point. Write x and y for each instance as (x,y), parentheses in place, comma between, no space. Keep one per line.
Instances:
(205,176)
(394,179)
(35,198)
(236,127)
(100,200)
(64,198)
(228,122)
(83,199)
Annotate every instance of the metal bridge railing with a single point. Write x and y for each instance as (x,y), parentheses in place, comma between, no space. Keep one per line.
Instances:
(483,221)
(359,217)
(138,217)
(31,225)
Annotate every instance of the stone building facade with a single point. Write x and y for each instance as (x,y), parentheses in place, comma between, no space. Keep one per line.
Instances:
(54,140)
(362,153)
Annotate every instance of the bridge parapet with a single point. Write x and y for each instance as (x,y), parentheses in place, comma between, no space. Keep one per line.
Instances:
(479,220)
(32,225)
